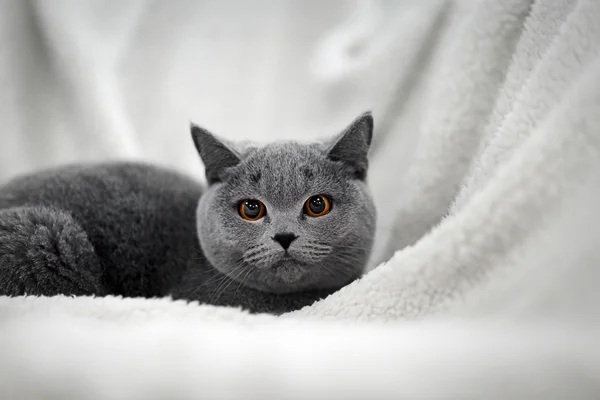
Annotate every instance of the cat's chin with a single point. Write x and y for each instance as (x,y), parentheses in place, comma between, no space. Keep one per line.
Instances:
(285,276)
(289,271)
(288,276)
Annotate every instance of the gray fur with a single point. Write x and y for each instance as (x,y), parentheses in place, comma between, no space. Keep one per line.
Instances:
(138,230)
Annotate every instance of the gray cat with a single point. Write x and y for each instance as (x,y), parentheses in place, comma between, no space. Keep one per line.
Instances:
(278,227)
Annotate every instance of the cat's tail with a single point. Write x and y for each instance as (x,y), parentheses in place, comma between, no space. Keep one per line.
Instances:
(45,252)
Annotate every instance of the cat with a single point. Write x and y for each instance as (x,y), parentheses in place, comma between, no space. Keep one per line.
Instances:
(275,229)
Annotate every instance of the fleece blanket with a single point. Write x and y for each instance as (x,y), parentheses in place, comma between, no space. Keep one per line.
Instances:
(487,283)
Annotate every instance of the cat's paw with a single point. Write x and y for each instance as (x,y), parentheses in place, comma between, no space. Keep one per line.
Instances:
(45,252)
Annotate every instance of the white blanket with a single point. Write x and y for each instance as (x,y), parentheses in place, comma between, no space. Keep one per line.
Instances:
(489,227)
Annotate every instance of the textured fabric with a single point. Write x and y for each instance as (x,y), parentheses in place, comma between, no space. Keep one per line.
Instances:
(486,170)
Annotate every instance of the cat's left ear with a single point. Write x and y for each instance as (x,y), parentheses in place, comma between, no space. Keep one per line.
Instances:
(215,154)
(352,145)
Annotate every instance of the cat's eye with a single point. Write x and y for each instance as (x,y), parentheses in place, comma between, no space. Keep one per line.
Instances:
(251,210)
(317,206)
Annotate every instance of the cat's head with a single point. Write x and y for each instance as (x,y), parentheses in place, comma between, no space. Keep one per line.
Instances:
(288,217)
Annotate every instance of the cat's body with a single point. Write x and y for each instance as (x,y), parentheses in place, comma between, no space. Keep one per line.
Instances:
(138,230)
(140,243)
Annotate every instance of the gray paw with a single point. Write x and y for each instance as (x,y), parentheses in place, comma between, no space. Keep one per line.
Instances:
(45,252)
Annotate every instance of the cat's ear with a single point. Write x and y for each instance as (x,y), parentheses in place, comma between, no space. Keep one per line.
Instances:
(352,145)
(215,155)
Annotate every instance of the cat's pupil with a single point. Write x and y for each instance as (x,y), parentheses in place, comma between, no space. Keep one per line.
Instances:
(251,208)
(317,204)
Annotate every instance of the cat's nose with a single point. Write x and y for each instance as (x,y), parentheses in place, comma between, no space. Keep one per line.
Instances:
(285,239)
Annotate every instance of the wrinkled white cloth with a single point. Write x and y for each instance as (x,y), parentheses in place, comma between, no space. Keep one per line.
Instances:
(486,171)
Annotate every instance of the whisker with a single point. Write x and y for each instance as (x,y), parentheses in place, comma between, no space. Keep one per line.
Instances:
(255,257)
(345,258)
(241,267)
(224,283)
(334,271)
(243,280)
(254,251)
(229,284)
(216,277)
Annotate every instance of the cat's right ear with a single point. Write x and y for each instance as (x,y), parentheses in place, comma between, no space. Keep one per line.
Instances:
(352,145)
(215,155)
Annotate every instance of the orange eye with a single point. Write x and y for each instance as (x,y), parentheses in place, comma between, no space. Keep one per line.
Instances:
(317,206)
(251,210)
